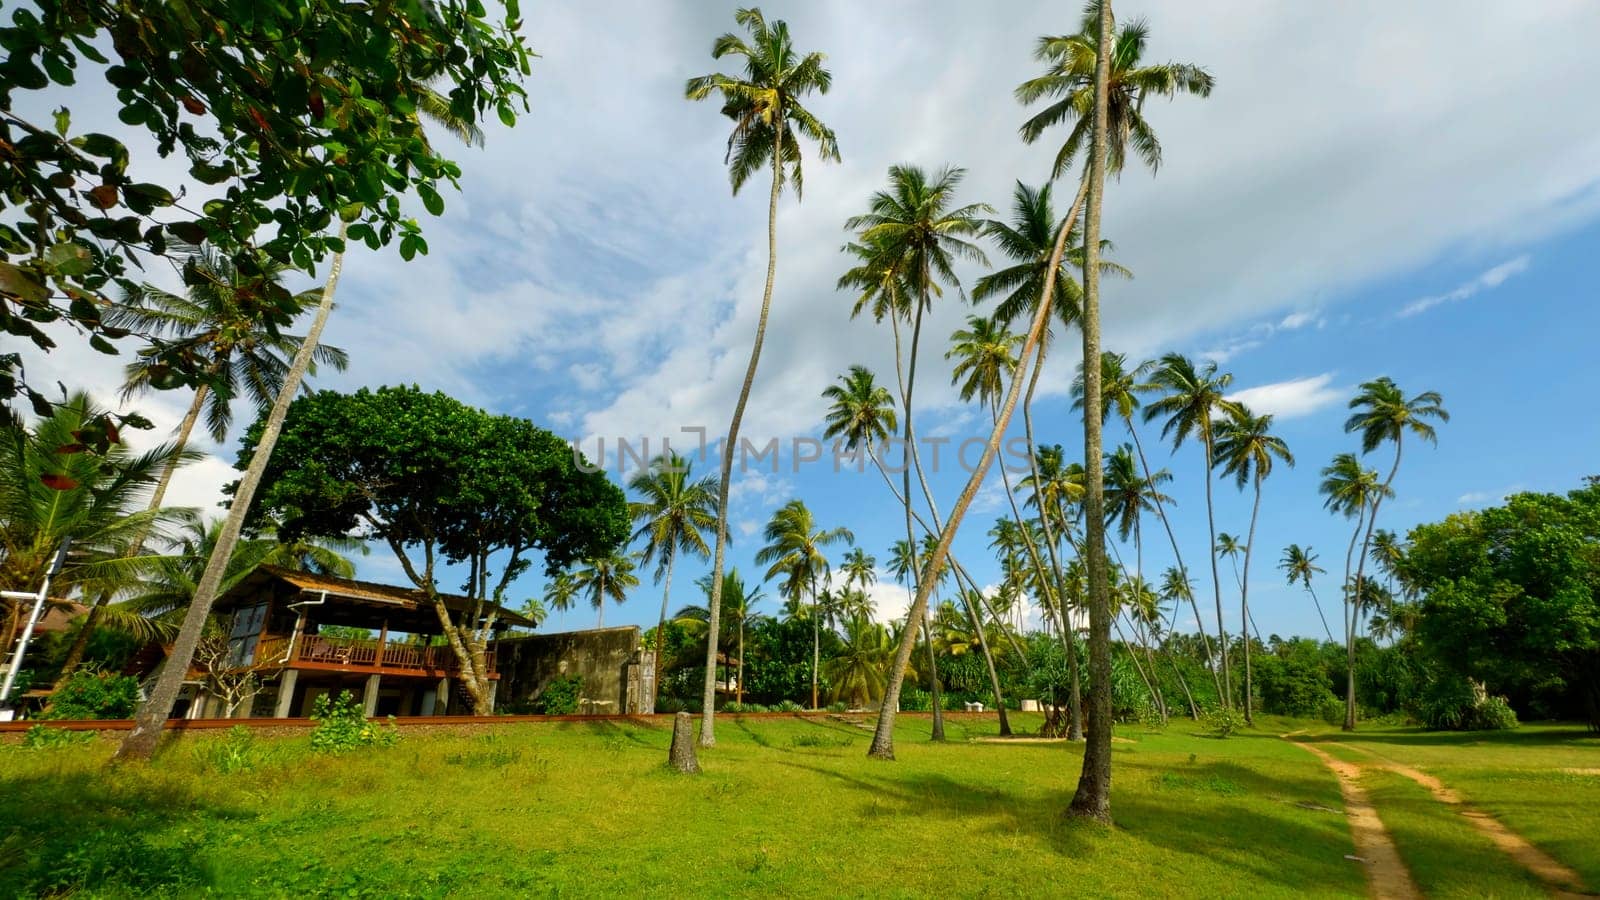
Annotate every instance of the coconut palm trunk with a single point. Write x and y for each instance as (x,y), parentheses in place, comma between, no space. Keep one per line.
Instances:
(708,735)
(816,641)
(913,460)
(152,714)
(882,746)
(1244,599)
(1216,573)
(1360,587)
(1351,609)
(1093,797)
(661,626)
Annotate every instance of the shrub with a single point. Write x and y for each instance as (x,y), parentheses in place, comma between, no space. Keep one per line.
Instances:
(236,751)
(1450,703)
(1221,721)
(559,697)
(342,726)
(838,706)
(39,737)
(915,700)
(787,706)
(1332,711)
(94,695)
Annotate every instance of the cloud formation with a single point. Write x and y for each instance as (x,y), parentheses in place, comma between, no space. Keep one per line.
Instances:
(1291,399)
(1488,280)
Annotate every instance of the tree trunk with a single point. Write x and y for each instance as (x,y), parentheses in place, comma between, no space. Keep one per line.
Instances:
(816,641)
(1361,589)
(661,627)
(1350,609)
(730,447)
(1318,604)
(1244,600)
(1069,640)
(680,757)
(1216,574)
(80,643)
(1093,797)
(988,661)
(883,736)
(912,460)
(152,714)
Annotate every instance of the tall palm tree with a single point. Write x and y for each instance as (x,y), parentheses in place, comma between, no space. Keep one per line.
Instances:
(1129,493)
(764,104)
(1299,564)
(1247,448)
(1192,399)
(795,552)
(609,577)
(860,414)
(985,353)
(152,714)
(1353,492)
(1069,83)
(737,600)
(672,517)
(1382,413)
(217,324)
(859,671)
(918,234)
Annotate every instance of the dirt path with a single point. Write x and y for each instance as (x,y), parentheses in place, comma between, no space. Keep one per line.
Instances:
(1546,868)
(1387,875)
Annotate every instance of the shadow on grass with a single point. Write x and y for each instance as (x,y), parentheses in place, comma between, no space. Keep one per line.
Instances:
(1574,735)
(1302,845)
(108,832)
(611,731)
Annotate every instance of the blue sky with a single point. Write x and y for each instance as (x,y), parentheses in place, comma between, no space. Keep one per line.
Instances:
(596,276)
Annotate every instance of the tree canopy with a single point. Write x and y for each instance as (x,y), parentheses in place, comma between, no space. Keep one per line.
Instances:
(1511,595)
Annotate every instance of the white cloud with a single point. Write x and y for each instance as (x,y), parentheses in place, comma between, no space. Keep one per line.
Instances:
(1476,498)
(1290,399)
(1300,319)
(1489,280)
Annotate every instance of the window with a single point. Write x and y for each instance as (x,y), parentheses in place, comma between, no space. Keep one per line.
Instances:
(246,632)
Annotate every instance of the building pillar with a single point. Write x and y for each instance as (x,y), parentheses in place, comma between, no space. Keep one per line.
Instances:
(370,696)
(494,688)
(441,698)
(286,685)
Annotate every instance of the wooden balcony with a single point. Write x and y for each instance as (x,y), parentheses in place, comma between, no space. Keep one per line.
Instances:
(318,653)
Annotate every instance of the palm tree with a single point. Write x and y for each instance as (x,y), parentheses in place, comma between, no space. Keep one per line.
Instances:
(1192,398)
(217,324)
(1298,565)
(764,104)
(53,490)
(608,577)
(794,551)
(859,671)
(917,234)
(1128,495)
(985,354)
(152,714)
(671,518)
(1247,448)
(736,603)
(1388,553)
(859,568)
(1353,492)
(860,413)
(1070,81)
(1382,413)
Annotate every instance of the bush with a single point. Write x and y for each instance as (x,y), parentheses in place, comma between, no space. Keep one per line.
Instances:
(342,726)
(787,706)
(1332,711)
(915,700)
(236,751)
(1450,703)
(559,697)
(1221,721)
(1293,687)
(40,737)
(838,706)
(94,695)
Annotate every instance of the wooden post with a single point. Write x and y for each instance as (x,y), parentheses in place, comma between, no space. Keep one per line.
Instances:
(681,757)
(370,695)
(286,684)
(383,640)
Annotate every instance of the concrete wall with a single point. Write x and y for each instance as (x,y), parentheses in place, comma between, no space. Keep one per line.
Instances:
(617,676)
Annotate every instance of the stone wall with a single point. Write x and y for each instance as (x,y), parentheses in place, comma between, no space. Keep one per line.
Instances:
(618,677)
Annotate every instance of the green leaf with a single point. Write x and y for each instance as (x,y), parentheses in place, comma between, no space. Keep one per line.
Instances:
(103,345)
(63,120)
(430,198)
(507,117)
(69,258)
(21,283)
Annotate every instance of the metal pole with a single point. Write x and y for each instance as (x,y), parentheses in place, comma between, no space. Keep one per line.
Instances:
(33,619)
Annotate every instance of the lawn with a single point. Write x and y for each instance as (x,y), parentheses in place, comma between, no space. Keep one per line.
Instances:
(785,806)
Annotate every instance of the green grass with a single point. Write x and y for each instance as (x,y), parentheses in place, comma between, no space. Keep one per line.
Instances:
(785,806)
(1516,776)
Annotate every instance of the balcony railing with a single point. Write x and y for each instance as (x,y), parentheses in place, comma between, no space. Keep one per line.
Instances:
(357,654)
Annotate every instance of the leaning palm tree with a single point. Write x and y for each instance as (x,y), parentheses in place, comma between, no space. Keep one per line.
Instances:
(1192,399)
(609,577)
(1382,413)
(672,517)
(763,102)
(217,324)
(795,552)
(1299,564)
(1353,492)
(152,714)
(1246,447)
